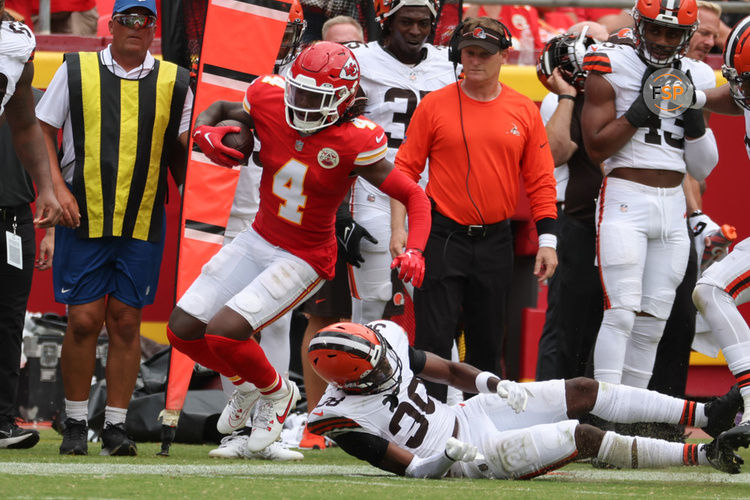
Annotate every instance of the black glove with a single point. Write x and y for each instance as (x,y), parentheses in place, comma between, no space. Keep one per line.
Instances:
(349,234)
(639,114)
(692,119)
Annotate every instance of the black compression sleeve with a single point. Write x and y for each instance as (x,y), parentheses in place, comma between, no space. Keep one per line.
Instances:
(364,446)
(417,360)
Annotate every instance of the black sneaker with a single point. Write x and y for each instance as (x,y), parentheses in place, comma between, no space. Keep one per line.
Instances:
(721,455)
(14,437)
(736,436)
(115,441)
(722,411)
(75,437)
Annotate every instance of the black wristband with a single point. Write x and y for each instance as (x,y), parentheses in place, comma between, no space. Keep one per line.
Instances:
(565,96)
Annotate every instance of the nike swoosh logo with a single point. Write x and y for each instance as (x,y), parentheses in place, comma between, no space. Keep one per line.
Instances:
(281,418)
(65,290)
(208,139)
(318,413)
(380,137)
(542,145)
(347,230)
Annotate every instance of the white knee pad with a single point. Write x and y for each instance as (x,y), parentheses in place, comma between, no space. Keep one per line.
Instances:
(525,453)
(367,310)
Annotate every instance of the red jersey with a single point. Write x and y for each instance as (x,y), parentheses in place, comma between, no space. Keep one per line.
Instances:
(305,177)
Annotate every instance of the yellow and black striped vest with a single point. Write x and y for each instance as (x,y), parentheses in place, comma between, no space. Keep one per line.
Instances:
(123,131)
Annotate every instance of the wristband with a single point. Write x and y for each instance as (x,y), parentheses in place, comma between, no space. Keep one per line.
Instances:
(548,240)
(481,382)
(565,96)
(700,99)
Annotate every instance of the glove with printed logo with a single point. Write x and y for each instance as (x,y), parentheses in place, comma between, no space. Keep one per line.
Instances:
(458,451)
(702,227)
(410,266)
(692,119)
(349,235)
(516,395)
(639,114)
(209,140)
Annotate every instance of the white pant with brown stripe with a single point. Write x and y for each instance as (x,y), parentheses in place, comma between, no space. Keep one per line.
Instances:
(259,281)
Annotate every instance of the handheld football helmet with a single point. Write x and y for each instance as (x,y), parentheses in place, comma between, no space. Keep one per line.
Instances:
(566,52)
(354,358)
(678,14)
(320,86)
(295,26)
(386,8)
(736,67)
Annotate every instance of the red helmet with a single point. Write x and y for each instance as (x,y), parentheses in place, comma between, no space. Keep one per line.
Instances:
(736,68)
(386,8)
(354,358)
(320,86)
(679,14)
(295,25)
(566,52)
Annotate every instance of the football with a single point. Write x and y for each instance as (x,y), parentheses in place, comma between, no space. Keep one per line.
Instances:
(243,141)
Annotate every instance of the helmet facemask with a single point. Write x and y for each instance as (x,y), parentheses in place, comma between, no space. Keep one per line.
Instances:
(739,86)
(311,107)
(566,52)
(657,54)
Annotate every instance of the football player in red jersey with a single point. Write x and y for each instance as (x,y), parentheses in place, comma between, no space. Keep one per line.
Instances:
(314,146)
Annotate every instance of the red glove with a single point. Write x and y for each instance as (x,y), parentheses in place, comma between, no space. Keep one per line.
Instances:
(410,266)
(209,140)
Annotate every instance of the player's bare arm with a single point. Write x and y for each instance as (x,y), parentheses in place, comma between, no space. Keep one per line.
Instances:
(459,375)
(223,110)
(604,133)
(558,126)
(27,137)
(719,100)
(71,215)
(398,228)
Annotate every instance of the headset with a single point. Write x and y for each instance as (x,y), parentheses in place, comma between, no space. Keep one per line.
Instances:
(503,38)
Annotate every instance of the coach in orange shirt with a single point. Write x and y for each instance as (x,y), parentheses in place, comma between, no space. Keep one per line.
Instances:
(480,138)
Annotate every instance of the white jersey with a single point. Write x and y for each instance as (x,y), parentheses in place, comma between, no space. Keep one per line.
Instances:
(562,173)
(17,44)
(416,421)
(661,144)
(393,90)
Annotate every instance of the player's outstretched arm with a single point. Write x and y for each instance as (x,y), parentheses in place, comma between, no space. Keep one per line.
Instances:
(719,100)
(400,187)
(469,379)
(28,143)
(375,450)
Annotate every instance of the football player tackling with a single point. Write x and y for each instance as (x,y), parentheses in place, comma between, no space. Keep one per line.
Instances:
(377,409)
(314,146)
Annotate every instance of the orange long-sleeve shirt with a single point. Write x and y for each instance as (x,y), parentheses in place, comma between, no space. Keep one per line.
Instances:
(506,141)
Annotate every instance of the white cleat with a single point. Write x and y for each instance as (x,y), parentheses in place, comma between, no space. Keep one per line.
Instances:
(232,446)
(277,452)
(235,414)
(270,417)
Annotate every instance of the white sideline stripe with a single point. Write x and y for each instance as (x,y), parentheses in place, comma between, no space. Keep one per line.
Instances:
(276,469)
(699,474)
(252,9)
(53,469)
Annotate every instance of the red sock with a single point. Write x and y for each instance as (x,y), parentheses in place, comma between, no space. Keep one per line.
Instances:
(198,351)
(246,358)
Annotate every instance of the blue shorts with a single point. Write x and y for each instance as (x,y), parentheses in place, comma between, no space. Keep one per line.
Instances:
(85,270)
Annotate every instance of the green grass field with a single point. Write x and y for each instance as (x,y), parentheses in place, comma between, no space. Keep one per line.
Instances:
(189,473)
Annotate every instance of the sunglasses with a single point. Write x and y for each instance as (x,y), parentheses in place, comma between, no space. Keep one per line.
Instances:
(135,21)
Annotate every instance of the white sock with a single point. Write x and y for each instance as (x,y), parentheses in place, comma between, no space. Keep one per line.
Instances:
(638,452)
(625,404)
(77,410)
(114,415)
(640,354)
(738,360)
(276,390)
(611,343)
